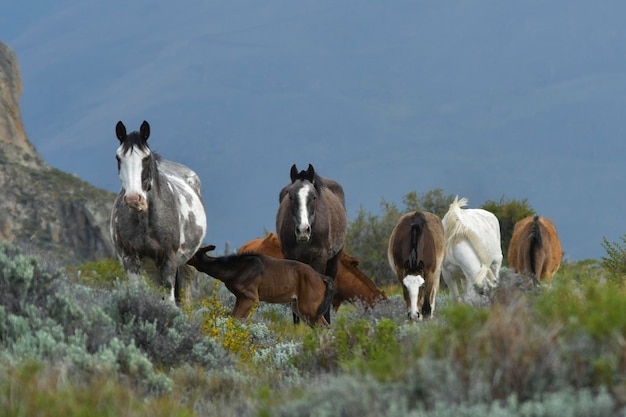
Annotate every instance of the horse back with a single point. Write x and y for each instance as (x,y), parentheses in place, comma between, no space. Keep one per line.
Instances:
(429,248)
(335,219)
(479,228)
(535,247)
(269,245)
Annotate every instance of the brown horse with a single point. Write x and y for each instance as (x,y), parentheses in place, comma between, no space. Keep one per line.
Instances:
(311,221)
(415,254)
(351,283)
(535,248)
(255,277)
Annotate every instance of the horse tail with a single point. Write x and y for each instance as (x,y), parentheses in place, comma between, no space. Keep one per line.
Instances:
(456,230)
(328,296)
(485,274)
(536,247)
(417,232)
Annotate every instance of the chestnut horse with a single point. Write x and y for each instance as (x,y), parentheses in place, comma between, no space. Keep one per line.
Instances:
(473,252)
(415,254)
(535,248)
(312,222)
(255,277)
(351,283)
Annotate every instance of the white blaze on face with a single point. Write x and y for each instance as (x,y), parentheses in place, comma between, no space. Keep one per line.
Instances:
(413,284)
(303,227)
(130,170)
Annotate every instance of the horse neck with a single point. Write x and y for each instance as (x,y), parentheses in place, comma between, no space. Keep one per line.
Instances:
(359,278)
(229,268)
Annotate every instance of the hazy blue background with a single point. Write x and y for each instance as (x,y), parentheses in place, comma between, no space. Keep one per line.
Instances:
(483,99)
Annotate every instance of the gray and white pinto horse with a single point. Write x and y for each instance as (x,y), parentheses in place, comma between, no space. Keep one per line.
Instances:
(158,220)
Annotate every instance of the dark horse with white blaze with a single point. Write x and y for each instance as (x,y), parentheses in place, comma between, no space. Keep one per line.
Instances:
(158,220)
(253,277)
(415,253)
(311,222)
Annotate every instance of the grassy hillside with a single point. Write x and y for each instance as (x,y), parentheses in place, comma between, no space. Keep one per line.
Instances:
(87,343)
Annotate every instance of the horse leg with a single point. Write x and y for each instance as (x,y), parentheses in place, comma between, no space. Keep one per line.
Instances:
(133,268)
(185,275)
(321,321)
(295,311)
(448,275)
(435,281)
(243,307)
(429,295)
(332,266)
(168,272)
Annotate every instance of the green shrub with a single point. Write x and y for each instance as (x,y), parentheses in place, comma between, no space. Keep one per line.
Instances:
(160,329)
(615,261)
(33,390)
(103,273)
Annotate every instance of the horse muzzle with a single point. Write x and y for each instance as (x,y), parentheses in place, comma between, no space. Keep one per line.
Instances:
(414,316)
(136,203)
(303,234)
(303,237)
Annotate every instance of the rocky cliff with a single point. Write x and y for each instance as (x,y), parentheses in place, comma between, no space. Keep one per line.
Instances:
(50,211)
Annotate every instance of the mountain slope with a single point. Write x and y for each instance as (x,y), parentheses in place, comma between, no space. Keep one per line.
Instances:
(41,207)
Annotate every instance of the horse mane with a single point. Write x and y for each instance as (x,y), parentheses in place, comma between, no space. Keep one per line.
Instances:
(457,230)
(417,232)
(134,139)
(318,181)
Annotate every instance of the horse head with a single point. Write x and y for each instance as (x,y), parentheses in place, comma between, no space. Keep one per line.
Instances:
(197,259)
(413,281)
(135,165)
(303,195)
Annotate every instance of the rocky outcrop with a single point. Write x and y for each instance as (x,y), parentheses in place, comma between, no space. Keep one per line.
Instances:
(50,211)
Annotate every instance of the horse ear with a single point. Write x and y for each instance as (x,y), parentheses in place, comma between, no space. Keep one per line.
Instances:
(120,131)
(208,248)
(310,173)
(294,172)
(144,131)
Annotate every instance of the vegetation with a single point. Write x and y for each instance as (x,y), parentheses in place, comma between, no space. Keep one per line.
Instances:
(69,346)
(508,213)
(81,341)
(615,261)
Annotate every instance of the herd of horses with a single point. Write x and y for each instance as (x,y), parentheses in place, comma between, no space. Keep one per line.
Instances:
(158,224)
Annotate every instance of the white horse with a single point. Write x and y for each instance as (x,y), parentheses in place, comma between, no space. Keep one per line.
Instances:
(473,251)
